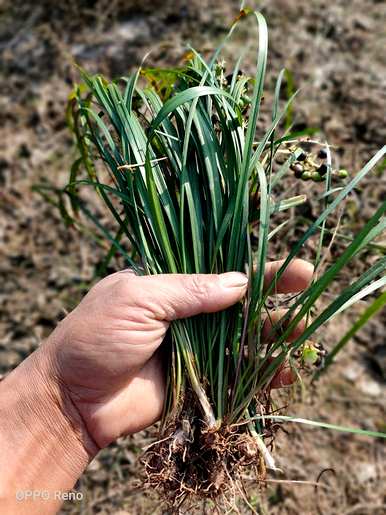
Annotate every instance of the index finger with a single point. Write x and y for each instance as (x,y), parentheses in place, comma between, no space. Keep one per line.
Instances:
(295,278)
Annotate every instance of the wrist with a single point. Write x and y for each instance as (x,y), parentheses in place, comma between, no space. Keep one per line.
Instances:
(44,444)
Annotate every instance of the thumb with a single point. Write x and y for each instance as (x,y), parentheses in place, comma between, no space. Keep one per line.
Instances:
(180,296)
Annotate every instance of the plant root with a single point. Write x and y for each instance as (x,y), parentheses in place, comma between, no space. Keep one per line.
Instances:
(192,462)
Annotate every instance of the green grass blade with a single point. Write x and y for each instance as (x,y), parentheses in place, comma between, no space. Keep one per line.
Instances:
(324,425)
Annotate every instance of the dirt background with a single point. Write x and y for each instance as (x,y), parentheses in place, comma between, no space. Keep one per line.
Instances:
(336,51)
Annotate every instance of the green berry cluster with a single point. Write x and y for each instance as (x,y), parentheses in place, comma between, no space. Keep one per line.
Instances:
(312,167)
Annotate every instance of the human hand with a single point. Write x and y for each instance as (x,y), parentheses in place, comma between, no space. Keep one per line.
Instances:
(99,376)
(104,353)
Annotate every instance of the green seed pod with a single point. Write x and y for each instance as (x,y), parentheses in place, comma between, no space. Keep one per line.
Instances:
(343,174)
(309,354)
(306,176)
(316,177)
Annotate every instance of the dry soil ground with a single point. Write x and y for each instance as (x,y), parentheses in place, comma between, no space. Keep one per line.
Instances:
(336,51)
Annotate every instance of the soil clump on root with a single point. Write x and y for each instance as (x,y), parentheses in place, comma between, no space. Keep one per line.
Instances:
(191,461)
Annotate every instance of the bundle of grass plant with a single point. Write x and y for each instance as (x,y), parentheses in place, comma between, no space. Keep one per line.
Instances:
(187,185)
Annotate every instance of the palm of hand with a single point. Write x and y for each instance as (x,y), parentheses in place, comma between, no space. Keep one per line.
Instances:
(106,359)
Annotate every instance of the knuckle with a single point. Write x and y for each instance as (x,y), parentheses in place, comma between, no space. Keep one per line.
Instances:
(120,285)
(198,287)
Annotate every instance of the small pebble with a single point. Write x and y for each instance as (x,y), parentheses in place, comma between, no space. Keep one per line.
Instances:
(353,371)
(365,472)
(369,387)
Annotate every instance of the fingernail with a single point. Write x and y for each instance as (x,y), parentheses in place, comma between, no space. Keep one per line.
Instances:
(233,280)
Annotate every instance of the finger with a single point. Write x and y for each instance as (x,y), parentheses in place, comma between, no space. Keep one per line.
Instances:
(296,277)
(174,296)
(272,329)
(285,377)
